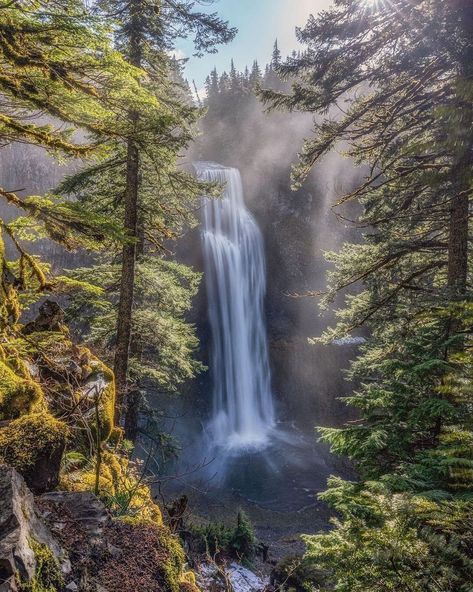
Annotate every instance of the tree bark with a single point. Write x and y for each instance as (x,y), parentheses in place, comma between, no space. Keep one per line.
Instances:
(462,170)
(133,399)
(127,284)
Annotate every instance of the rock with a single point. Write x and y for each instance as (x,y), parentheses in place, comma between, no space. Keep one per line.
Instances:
(72,586)
(50,318)
(217,579)
(244,580)
(19,525)
(82,507)
(33,445)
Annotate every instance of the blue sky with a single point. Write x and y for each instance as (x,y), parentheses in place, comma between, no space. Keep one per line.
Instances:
(259,23)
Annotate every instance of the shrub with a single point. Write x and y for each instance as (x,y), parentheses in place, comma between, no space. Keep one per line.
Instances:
(216,538)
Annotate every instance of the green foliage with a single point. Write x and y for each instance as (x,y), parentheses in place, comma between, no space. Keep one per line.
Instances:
(384,541)
(18,394)
(57,60)
(215,538)
(167,341)
(392,82)
(296,574)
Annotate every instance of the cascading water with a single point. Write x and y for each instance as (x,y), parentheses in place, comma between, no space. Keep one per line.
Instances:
(243,410)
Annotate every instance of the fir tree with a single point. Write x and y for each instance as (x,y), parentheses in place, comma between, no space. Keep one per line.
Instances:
(147,164)
(57,60)
(401,73)
(256,76)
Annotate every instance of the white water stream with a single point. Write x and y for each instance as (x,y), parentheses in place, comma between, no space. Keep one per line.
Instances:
(243,410)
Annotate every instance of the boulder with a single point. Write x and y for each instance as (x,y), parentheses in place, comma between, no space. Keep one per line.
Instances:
(50,318)
(33,445)
(20,528)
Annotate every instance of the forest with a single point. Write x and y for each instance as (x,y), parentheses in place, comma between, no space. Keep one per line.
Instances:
(236,313)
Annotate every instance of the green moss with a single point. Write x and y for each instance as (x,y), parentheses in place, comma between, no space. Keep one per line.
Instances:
(26,440)
(171,568)
(102,374)
(48,577)
(18,395)
(9,305)
(53,352)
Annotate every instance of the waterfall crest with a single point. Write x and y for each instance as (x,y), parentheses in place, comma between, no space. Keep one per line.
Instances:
(243,410)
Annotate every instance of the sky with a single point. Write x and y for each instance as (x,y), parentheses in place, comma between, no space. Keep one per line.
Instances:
(259,23)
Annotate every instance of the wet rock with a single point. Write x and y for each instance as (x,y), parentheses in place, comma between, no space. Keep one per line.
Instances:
(20,524)
(244,580)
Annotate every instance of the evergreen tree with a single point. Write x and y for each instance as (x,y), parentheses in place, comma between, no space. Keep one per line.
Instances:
(276,56)
(256,76)
(401,72)
(145,32)
(57,60)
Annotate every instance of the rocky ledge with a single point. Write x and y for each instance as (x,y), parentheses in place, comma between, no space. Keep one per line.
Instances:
(67,541)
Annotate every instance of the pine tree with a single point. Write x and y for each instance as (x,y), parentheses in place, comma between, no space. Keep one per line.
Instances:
(276,56)
(401,73)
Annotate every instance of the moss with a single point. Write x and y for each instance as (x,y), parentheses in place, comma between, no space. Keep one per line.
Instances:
(102,375)
(172,566)
(26,440)
(74,378)
(119,487)
(18,395)
(9,304)
(188,587)
(48,577)
(117,436)
(187,582)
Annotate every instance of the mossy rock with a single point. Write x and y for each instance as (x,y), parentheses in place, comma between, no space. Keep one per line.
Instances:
(48,577)
(33,445)
(119,487)
(188,582)
(18,395)
(103,378)
(76,379)
(188,587)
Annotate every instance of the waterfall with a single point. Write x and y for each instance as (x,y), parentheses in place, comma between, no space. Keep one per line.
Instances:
(243,411)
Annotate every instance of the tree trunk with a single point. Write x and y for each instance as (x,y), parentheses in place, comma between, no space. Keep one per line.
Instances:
(133,400)
(127,285)
(462,170)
